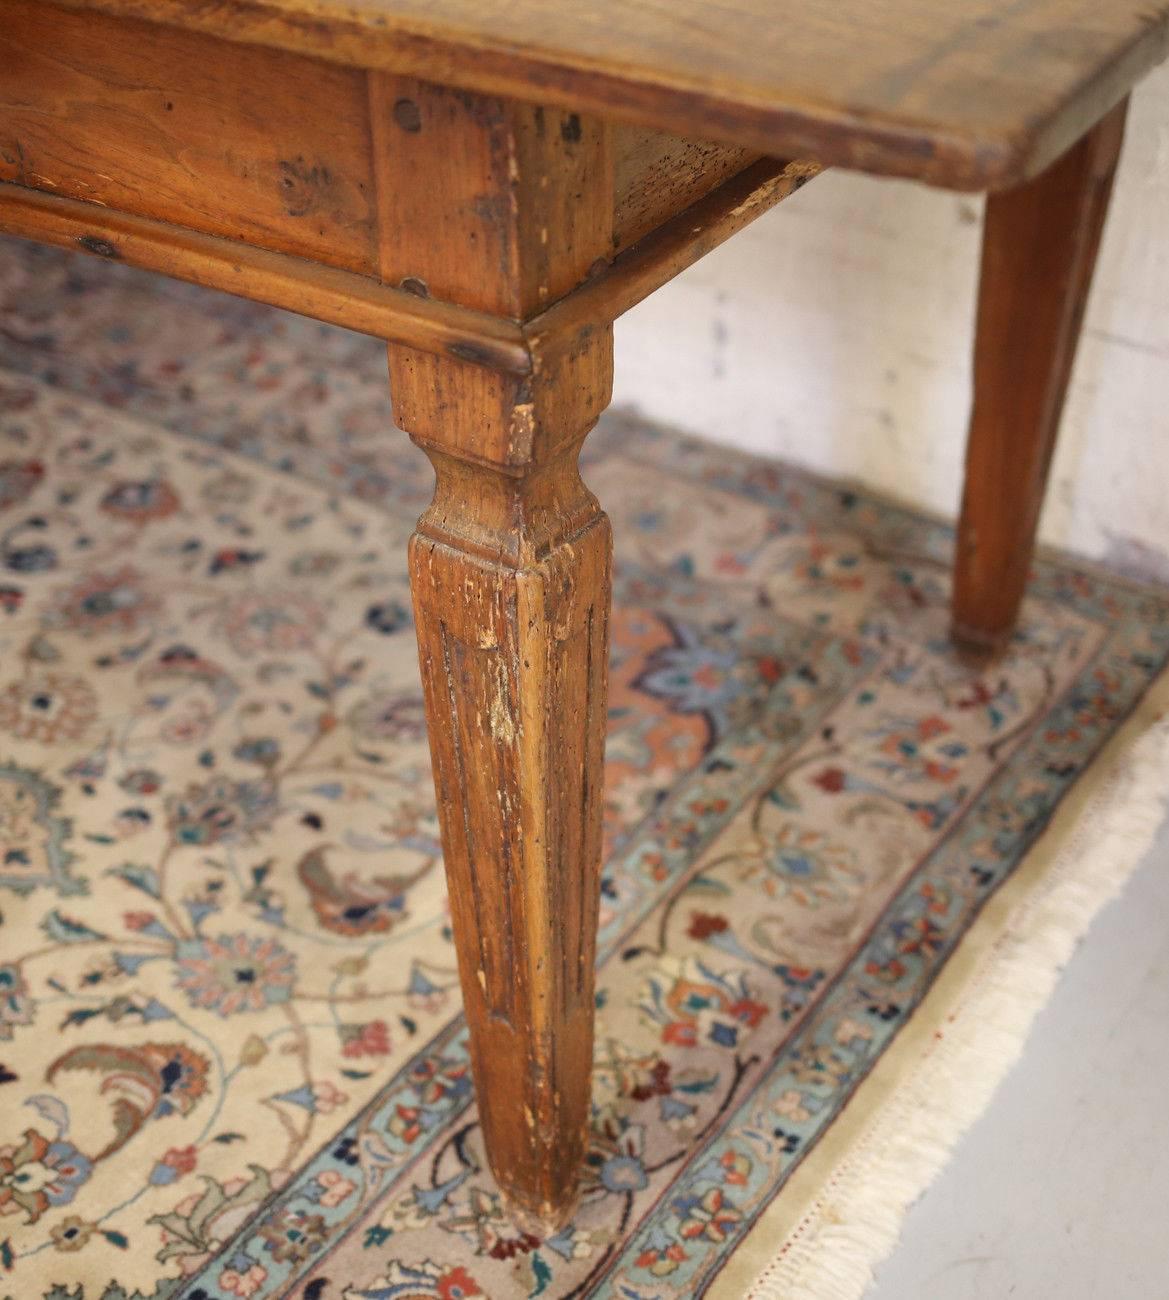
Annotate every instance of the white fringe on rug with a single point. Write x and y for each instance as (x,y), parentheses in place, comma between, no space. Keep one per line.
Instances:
(856,1219)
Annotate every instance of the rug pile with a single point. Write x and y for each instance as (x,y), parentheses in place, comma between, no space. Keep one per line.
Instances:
(232,1061)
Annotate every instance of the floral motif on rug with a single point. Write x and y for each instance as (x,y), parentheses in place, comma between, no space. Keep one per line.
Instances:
(232,1060)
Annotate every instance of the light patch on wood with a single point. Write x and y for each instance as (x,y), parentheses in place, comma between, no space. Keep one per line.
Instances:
(502,721)
(521,430)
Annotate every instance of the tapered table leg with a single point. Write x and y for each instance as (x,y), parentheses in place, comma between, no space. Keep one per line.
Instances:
(510,576)
(504,207)
(1038,253)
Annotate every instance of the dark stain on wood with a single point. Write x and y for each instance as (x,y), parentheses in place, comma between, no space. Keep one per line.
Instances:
(468,350)
(408,116)
(98,246)
(194,135)
(306,189)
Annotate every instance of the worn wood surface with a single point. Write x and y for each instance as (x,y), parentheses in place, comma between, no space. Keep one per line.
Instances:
(669,249)
(972,93)
(258,145)
(355,302)
(1039,249)
(270,150)
(510,573)
(656,175)
(404,312)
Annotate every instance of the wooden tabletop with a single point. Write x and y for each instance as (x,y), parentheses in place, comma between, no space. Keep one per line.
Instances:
(964,93)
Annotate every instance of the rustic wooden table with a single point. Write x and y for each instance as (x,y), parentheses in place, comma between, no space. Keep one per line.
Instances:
(487,185)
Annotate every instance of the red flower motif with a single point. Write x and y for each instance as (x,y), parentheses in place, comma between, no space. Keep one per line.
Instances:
(737,1168)
(510,1247)
(661,1262)
(831,780)
(371,1039)
(656,866)
(714,1217)
(980,694)
(137,920)
(457,1285)
(405,1124)
(181,1159)
(770,669)
(701,806)
(891,970)
(704,924)
(682,1033)
(747,1012)
(658,1084)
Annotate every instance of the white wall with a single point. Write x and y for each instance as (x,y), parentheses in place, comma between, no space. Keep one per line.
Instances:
(836,332)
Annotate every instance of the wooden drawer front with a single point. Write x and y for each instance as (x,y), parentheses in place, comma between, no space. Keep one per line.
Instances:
(242,141)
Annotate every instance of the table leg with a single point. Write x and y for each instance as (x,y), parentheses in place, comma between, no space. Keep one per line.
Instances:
(1039,248)
(505,207)
(510,575)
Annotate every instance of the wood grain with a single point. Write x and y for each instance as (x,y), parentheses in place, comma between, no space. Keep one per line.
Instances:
(1039,250)
(665,252)
(972,94)
(259,145)
(510,574)
(354,302)
(265,147)
(657,174)
(513,653)
(406,313)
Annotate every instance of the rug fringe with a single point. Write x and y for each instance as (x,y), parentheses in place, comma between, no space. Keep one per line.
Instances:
(856,1221)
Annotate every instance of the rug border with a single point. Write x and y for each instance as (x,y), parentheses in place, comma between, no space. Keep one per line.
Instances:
(842,1211)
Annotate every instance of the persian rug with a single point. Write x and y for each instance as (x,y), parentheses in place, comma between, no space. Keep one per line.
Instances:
(842,865)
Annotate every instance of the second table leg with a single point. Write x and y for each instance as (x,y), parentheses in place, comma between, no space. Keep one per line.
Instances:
(1038,253)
